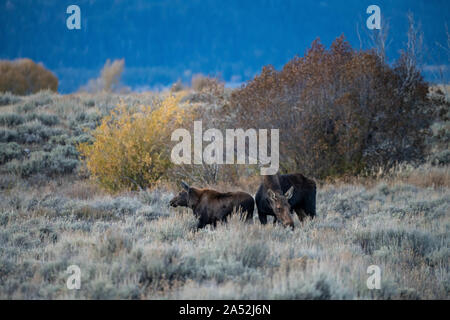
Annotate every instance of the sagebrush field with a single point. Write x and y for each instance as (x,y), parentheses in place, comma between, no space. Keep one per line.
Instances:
(132,245)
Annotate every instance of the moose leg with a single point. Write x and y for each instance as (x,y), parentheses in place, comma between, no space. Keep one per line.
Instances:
(249,214)
(202,221)
(275,220)
(300,214)
(262,217)
(310,204)
(200,224)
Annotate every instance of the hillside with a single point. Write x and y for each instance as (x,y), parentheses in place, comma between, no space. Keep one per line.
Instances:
(131,245)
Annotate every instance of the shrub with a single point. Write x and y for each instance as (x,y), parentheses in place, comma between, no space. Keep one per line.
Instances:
(177,86)
(32,132)
(11,119)
(26,107)
(28,167)
(117,207)
(111,74)
(163,265)
(210,85)
(173,227)
(129,149)
(61,160)
(47,119)
(338,110)
(82,138)
(254,255)
(62,139)
(23,76)
(109,79)
(441,158)
(8,135)
(36,132)
(8,98)
(9,151)
(42,98)
(419,243)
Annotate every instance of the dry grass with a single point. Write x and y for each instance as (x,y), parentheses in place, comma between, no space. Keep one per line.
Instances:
(133,246)
(436,177)
(424,176)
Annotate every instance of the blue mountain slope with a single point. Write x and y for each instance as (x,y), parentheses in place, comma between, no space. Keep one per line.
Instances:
(162,41)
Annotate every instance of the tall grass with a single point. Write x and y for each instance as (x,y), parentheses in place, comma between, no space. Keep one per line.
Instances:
(133,246)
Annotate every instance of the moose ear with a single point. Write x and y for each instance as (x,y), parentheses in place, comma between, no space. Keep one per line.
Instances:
(289,193)
(185,185)
(271,194)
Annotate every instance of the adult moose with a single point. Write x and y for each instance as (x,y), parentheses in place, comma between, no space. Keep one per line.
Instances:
(279,195)
(211,206)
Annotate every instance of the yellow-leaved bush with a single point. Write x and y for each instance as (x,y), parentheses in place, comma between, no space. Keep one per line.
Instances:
(131,148)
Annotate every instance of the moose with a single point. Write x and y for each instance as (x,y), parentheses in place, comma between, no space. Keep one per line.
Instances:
(280,195)
(211,206)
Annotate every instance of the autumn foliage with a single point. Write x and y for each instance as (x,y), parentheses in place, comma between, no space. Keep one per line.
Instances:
(211,85)
(338,110)
(109,79)
(24,77)
(130,149)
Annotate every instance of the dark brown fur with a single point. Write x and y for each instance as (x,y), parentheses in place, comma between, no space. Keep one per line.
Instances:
(302,199)
(211,206)
(271,200)
(180,200)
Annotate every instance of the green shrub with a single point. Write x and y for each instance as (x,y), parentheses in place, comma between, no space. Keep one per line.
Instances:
(8,135)
(419,243)
(441,158)
(11,119)
(46,119)
(254,255)
(8,98)
(62,139)
(82,138)
(319,288)
(42,98)
(164,264)
(9,151)
(36,132)
(60,160)
(89,103)
(26,107)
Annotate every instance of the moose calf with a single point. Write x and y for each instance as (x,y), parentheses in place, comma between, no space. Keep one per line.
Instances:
(211,206)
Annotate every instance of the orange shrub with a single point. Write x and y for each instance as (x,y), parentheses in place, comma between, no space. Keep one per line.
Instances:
(338,110)
(130,146)
(201,83)
(24,77)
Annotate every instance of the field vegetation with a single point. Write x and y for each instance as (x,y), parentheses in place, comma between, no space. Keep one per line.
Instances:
(86,179)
